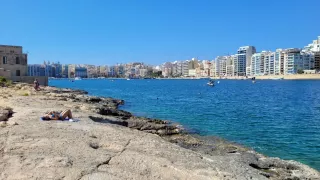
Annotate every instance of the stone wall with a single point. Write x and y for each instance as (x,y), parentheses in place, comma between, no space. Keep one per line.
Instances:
(43,80)
(5,73)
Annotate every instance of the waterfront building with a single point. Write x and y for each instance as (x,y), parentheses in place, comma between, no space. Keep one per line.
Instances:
(81,72)
(269,63)
(314,46)
(64,71)
(121,70)
(317,61)
(257,64)
(57,70)
(193,63)
(34,69)
(185,68)
(143,72)
(167,69)
(175,69)
(313,54)
(262,63)
(13,62)
(179,68)
(242,60)
(112,71)
(213,68)
(308,60)
(48,69)
(206,68)
(279,62)
(91,71)
(293,61)
(103,71)
(221,66)
(192,73)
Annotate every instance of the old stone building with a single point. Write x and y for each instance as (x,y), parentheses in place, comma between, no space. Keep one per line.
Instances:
(14,65)
(13,62)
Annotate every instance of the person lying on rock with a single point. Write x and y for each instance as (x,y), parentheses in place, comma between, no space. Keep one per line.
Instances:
(54,115)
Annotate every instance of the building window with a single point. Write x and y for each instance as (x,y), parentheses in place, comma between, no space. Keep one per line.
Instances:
(4,60)
(17,72)
(17,60)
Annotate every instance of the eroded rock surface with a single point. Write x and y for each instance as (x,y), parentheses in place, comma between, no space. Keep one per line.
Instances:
(118,145)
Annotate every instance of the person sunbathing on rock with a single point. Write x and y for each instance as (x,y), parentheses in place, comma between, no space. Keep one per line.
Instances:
(54,115)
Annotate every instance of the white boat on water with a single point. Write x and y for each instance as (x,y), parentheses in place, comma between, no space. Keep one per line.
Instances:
(277,78)
(128,79)
(210,84)
(77,78)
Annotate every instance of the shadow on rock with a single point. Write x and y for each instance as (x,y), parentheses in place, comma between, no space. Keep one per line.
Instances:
(108,121)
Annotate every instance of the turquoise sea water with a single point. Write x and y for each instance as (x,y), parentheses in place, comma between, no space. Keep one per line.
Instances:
(276,118)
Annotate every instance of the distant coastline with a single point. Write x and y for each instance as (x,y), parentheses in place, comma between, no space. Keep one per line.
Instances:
(265,77)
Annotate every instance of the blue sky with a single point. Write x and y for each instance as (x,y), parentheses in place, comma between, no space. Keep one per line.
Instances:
(150,31)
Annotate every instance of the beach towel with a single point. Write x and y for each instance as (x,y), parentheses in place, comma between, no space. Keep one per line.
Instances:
(70,120)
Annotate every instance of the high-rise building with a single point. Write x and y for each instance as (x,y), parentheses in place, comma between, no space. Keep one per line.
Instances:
(242,60)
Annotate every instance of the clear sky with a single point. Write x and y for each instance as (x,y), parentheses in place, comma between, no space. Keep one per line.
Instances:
(154,31)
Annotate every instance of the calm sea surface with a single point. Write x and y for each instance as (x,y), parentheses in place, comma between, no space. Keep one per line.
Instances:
(277,118)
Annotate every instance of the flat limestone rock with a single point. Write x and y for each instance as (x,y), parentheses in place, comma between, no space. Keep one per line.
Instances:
(103,147)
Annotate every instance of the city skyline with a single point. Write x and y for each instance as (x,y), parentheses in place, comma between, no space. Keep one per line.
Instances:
(245,62)
(153,32)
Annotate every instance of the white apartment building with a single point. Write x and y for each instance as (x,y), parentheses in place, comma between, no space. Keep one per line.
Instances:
(262,63)
(221,66)
(279,62)
(293,61)
(314,46)
(269,65)
(257,64)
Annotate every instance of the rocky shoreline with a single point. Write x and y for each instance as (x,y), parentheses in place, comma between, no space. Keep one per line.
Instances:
(220,158)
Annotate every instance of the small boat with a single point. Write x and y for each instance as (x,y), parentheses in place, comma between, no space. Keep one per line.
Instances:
(77,78)
(276,78)
(128,79)
(210,83)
